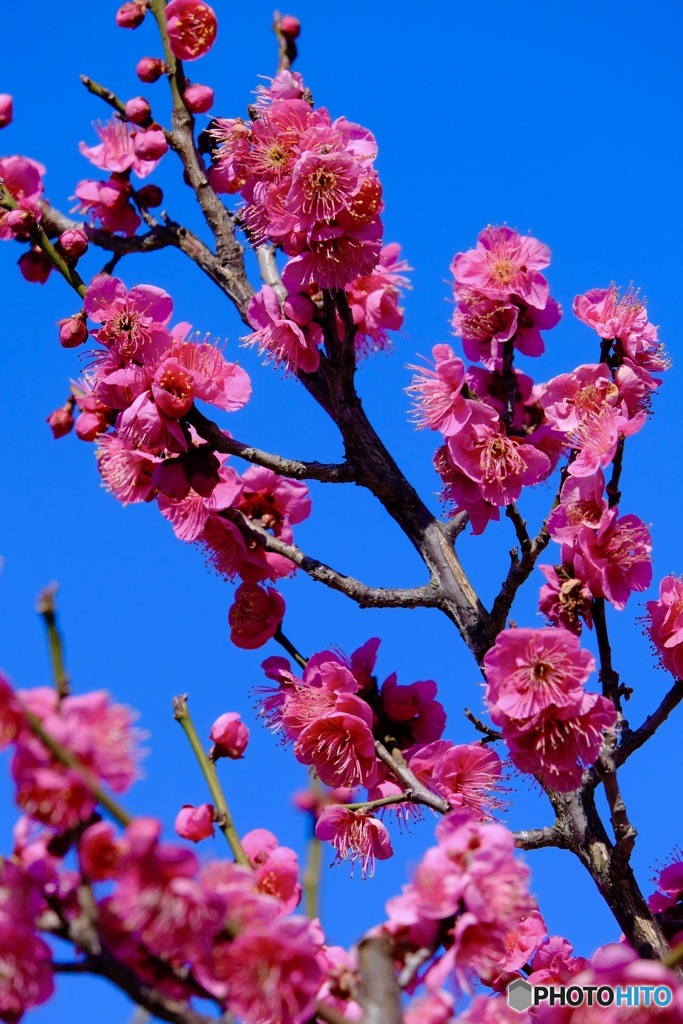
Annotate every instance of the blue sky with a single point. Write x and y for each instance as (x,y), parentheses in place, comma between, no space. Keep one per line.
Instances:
(560,119)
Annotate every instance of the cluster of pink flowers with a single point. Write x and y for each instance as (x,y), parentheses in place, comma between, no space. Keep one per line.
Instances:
(535,693)
(596,406)
(665,624)
(122,148)
(311,188)
(469,903)
(495,444)
(23,178)
(334,713)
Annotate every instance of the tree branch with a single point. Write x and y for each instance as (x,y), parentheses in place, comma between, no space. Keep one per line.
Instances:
(394,760)
(632,739)
(220,442)
(380,995)
(364,596)
(539,838)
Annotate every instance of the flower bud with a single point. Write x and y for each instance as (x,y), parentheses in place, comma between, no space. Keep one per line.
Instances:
(230,737)
(150,144)
(6,109)
(73,243)
(21,221)
(35,266)
(149,195)
(195,823)
(72,331)
(290,26)
(61,421)
(130,15)
(149,69)
(138,110)
(191,27)
(90,425)
(198,98)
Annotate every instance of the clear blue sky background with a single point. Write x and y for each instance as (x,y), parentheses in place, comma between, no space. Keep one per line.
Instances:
(562,119)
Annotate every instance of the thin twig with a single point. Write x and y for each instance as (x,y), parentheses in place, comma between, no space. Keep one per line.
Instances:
(394,760)
(47,609)
(632,739)
(490,735)
(288,646)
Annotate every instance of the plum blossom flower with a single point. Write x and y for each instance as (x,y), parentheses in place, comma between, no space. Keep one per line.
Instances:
(439,402)
(126,472)
(255,616)
(23,178)
(195,823)
(505,264)
(287,342)
(6,109)
(230,736)
(564,599)
(191,27)
(614,560)
(355,837)
(528,670)
(109,203)
(664,624)
(116,151)
(374,299)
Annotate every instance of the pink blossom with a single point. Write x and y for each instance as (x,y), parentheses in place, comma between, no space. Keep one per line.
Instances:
(230,736)
(323,184)
(116,151)
(149,144)
(464,493)
(214,380)
(664,624)
(290,26)
(355,837)
(195,823)
(530,670)
(20,222)
(6,110)
(336,256)
(255,615)
(505,264)
(557,744)
(282,338)
(276,869)
(500,465)
(419,717)
(272,973)
(108,202)
(138,110)
(34,266)
(582,503)
(23,178)
(150,69)
(374,299)
(133,322)
(439,403)
(191,26)
(340,745)
(468,776)
(131,14)
(61,421)
(100,852)
(614,560)
(73,243)
(198,98)
(435,1008)
(27,970)
(553,962)
(126,472)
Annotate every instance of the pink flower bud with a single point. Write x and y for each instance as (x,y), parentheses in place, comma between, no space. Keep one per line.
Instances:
(230,736)
(195,823)
(149,69)
(130,15)
(290,26)
(73,243)
(150,144)
(21,221)
(6,109)
(198,98)
(255,616)
(35,266)
(90,425)
(138,110)
(72,331)
(191,26)
(149,195)
(61,421)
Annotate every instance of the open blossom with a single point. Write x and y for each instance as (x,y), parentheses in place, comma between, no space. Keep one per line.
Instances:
(133,322)
(557,744)
(505,264)
(287,342)
(417,715)
(109,204)
(191,26)
(374,299)
(664,624)
(126,472)
(116,151)
(564,599)
(356,837)
(340,744)
(614,560)
(437,394)
(528,670)
(582,503)
(27,970)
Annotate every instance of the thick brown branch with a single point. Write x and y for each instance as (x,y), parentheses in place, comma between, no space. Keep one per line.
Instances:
(539,838)
(380,995)
(364,596)
(220,442)
(419,794)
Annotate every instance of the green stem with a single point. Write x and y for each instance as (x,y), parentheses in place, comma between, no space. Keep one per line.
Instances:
(371,805)
(290,648)
(175,73)
(310,878)
(39,238)
(46,608)
(70,761)
(223,816)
